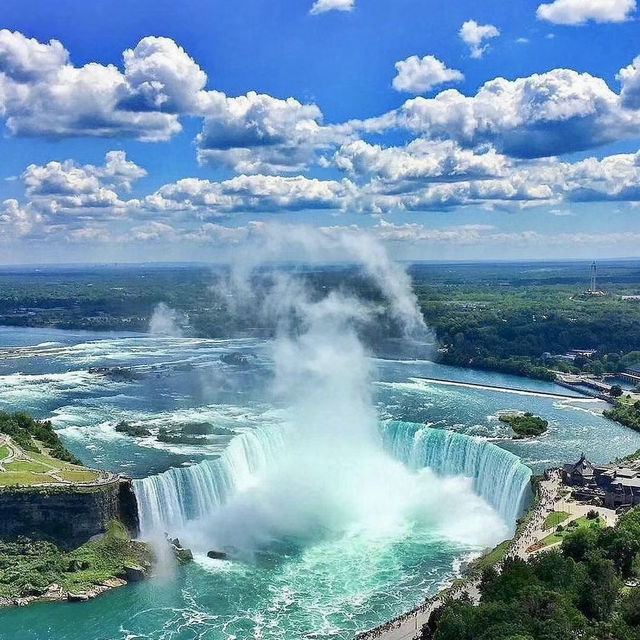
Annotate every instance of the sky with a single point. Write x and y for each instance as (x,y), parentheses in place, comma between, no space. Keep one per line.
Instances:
(164,130)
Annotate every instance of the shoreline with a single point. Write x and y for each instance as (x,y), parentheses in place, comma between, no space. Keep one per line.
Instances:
(57,593)
(408,625)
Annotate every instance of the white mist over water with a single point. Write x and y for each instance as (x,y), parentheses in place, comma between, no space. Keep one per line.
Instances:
(166,322)
(333,477)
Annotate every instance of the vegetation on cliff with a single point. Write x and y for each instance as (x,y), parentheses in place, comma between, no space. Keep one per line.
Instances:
(586,589)
(24,430)
(31,454)
(525,425)
(30,567)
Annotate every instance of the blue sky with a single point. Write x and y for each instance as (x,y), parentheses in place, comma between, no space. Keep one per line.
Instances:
(164,130)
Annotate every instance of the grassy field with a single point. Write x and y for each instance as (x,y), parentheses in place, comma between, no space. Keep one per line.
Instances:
(31,467)
(574,525)
(555,518)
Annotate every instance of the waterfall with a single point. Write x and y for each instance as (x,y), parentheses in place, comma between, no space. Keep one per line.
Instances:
(498,475)
(167,501)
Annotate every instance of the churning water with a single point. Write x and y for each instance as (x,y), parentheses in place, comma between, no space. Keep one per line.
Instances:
(291,574)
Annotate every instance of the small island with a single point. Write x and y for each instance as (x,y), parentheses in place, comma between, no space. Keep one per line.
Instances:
(524,425)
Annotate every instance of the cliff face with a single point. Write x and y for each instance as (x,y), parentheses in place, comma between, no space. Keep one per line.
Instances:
(67,516)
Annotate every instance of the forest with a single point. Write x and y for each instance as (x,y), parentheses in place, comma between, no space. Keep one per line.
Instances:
(511,317)
(586,589)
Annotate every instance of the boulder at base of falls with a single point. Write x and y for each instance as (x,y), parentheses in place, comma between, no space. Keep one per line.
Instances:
(217,555)
(182,555)
(134,573)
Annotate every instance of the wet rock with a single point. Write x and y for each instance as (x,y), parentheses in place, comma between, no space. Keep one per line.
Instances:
(77,597)
(134,573)
(183,555)
(217,555)
(54,592)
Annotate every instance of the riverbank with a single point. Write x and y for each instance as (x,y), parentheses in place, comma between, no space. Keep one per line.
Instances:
(39,571)
(529,529)
(534,527)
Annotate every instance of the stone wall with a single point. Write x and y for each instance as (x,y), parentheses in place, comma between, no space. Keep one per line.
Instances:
(66,515)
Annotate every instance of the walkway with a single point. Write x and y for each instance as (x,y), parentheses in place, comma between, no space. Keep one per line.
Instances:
(527,392)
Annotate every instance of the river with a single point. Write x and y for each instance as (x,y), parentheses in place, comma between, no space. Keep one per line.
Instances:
(305,576)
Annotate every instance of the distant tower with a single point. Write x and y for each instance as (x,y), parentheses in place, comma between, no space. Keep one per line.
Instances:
(594,277)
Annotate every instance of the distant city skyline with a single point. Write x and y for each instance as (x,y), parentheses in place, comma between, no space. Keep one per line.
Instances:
(166,131)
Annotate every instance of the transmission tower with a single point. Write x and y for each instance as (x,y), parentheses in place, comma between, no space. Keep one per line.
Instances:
(594,277)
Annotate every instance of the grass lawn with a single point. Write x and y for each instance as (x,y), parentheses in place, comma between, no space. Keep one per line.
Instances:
(555,518)
(493,557)
(26,465)
(4,451)
(48,461)
(78,475)
(34,468)
(574,525)
(9,478)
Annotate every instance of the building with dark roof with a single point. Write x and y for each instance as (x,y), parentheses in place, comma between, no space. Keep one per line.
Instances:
(610,485)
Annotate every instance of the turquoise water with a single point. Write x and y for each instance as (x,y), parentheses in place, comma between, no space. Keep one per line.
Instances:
(329,580)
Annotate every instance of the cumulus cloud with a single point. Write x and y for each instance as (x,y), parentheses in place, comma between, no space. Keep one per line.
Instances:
(250,193)
(58,187)
(581,11)
(16,221)
(161,76)
(43,94)
(419,161)
(417,75)
(322,6)
(258,133)
(544,114)
(615,177)
(475,35)
(629,78)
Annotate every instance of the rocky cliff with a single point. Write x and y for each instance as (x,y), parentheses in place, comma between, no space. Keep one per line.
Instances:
(66,515)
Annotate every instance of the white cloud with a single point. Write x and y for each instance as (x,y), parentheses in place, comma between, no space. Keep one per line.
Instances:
(17,221)
(581,11)
(250,193)
(321,6)
(474,36)
(420,161)
(161,76)
(489,235)
(540,115)
(417,75)
(615,177)
(629,78)
(58,188)
(258,133)
(43,94)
